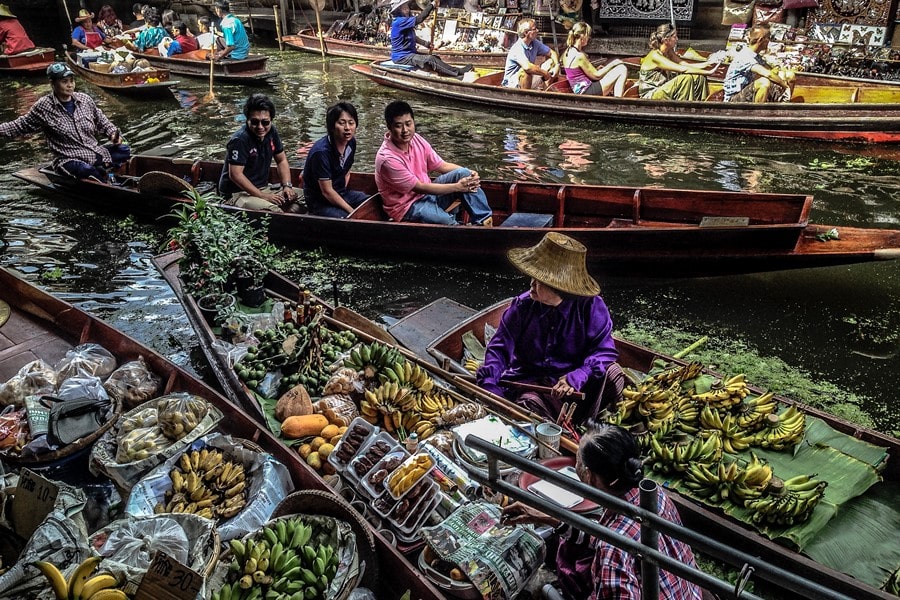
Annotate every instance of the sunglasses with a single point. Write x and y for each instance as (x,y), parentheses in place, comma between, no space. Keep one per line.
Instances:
(258,122)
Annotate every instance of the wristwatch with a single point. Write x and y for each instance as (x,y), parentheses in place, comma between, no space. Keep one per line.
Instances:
(287,185)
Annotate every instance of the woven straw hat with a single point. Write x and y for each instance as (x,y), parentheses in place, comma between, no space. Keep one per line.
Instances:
(557,261)
(160,183)
(5,12)
(84,15)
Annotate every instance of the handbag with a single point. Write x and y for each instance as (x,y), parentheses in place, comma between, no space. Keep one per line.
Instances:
(71,420)
(764,15)
(792,4)
(736,13)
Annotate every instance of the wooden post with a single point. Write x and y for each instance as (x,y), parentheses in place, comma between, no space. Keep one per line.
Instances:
(278,28)
(68,16)
(285,24)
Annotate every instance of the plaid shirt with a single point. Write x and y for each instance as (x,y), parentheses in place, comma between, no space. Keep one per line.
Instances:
(70,137)
(616,573)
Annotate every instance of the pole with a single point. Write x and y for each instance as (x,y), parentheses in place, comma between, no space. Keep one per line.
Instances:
(68,16)
(650,538)
(278,29)
(433,27)
(553,25)
(318,5)
(212,65)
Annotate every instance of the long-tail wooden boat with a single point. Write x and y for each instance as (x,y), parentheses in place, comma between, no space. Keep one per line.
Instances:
(648,231)
(143,84)
(33,61)
(308,41)
(42,326)
(837,114)
(447,350)
(248,71)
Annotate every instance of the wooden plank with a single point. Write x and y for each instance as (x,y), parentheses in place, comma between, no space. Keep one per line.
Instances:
(418,330)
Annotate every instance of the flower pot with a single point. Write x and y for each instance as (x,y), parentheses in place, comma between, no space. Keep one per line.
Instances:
(253,296)
(210,305)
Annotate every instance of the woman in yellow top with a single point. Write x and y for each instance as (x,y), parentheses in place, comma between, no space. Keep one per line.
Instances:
(583,77)
(665,75)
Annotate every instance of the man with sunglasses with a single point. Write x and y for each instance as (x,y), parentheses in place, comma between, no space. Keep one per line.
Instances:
(249,153)
(71,122)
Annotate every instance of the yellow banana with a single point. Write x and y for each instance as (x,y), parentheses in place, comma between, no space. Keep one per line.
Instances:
(95,584)
(109,594)
(56,579)
(80,576)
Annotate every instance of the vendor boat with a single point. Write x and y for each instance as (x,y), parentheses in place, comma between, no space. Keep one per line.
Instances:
(143,84)
(646,231)
(815,112)
(247,71)
(33,61)
(35,325)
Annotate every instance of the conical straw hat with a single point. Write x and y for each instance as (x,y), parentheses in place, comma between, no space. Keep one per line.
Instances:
(557,261)
(5,12)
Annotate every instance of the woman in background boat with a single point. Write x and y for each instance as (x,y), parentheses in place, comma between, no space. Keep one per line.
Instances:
(769,85)
(151,35)
(665,75)
(108,22)
(584,77)
(326,173)
(13,39)
(557,335)
(85,36)
(608,459)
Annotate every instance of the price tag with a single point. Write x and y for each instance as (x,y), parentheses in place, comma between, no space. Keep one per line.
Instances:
(34,500)
(168,579)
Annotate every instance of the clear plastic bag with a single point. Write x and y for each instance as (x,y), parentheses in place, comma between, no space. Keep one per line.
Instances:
(82,386)
(141,443)
(178,414)
(133,383)
(35,378)
(133,541)
(146,417)
(13,429)
(341,405)
(86,359)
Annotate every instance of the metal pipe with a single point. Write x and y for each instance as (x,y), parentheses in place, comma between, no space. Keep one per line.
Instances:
(776,575)
(650,538)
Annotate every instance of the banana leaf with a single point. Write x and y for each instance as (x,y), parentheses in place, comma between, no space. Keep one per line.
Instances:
(871,551)
(474,347)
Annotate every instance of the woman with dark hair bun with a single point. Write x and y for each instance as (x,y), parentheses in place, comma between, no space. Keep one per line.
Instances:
(609,459)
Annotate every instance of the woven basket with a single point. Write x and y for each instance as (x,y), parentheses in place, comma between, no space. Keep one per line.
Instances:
(320,502)
(160,183)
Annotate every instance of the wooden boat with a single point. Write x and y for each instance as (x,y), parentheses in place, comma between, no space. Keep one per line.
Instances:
(837,114)
(131,84)
(248,71)
(645,231)
(447,350)
(33,61)
(307,41)
(42,326)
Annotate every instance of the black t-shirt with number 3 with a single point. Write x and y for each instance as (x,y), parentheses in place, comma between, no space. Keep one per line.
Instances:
(254,154)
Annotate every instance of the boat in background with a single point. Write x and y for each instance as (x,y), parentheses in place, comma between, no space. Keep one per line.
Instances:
(827,113)
(33,61)
(247,71)
(629,231)
(143,84)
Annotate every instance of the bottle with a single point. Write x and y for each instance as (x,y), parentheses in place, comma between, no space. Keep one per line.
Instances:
(412,442)
(288,313)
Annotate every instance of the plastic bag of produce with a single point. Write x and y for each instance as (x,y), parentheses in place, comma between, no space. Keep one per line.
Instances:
(140,443)
(81,387)
(257,478)
(35,378)
(86,359)
(179,413)
(133,383)
(105,454)
(13,428)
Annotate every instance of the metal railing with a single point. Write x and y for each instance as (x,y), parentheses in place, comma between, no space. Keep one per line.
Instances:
(651,525)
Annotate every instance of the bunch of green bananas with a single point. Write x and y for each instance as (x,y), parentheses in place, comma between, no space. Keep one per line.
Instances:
(676,374)
(372,359)
(782,431)
(734,439)
(726,394)
(280,563)
(678,456)
(793,504)
(403,372)
(81,585)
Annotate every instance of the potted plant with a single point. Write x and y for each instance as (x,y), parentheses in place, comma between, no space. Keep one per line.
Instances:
(249,274)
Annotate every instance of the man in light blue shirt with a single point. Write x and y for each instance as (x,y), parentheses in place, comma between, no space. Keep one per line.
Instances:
(524,62)
(237,44)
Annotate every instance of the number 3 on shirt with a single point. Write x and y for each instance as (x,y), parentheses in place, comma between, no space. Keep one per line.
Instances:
(234,155)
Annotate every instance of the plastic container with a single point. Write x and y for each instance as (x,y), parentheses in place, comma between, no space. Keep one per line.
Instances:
(418,495)
(422,460)
(375,448)
(383,505)
(351,443)
(376,489)
(420,513)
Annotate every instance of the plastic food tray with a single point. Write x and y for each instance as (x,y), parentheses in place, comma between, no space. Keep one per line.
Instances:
(367,485)
(429,501)
(412,459)
(383,436)
(357,422)
(383,513)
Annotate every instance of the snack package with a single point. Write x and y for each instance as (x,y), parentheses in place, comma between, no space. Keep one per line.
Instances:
(86,359)
(178,414)
(13,429)
(133,383)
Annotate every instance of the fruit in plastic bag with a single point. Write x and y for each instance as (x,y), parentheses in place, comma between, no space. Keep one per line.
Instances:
(178,414)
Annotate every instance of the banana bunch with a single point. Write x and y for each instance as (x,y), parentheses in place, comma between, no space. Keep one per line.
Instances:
(754,482)
(726,394)
(654,402)
(207,485)
(409,473)
(734,439)
(686,415)
(716,483)
(676,374)
(371,359)
(679,456)
(782,431)
(752,412)
(471,365)
(283,561)
(81,585)
(794,504)
(623,413)
(404,373)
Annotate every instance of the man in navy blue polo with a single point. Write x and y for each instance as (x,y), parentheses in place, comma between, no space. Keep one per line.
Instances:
(249,153)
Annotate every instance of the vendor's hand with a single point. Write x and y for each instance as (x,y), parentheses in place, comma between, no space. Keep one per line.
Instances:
(561,389)
(521,514)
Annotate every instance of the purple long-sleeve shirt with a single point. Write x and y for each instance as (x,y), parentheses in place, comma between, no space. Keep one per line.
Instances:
(535,341)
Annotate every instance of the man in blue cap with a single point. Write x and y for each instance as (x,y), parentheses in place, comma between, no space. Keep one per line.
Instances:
(71,122)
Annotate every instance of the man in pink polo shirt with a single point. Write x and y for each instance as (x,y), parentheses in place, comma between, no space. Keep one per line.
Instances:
(402,165)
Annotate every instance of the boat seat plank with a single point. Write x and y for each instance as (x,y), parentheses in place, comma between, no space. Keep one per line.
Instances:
(521,219)
(418,330)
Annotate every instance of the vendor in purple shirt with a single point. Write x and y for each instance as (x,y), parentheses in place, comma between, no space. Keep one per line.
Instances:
(557,334)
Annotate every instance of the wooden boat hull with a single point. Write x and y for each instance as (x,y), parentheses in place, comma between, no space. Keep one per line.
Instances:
(131,84)
(840,121)
(307,41)
(42,326)
(248,71)
(629,231)
(34,61)
(447,350)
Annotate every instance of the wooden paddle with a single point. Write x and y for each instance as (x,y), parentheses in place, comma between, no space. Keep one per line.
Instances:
(211,95)
(538,388)
(318,6)
(433,27)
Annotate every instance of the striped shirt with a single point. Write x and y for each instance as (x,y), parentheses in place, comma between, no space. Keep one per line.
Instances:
(70,137)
